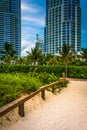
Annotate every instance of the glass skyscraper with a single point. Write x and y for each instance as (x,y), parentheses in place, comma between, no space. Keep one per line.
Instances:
(63,25)
(39,43)
(10,24)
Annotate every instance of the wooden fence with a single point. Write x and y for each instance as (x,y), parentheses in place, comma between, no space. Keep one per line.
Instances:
(20,102)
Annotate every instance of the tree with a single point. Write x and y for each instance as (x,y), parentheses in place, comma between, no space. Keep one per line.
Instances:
(65,54)
(8,51)
(84,54)
(48,57)
(34,56)
(52,61)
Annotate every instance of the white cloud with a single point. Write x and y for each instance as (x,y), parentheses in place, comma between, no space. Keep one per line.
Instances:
(26,46)
(36,21)
(26,7)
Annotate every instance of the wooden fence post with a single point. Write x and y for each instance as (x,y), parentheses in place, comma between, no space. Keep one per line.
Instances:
(21,110)
(53,89)
(63,75)
(43,94)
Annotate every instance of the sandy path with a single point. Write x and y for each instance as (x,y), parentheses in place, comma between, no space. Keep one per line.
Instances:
(64,111)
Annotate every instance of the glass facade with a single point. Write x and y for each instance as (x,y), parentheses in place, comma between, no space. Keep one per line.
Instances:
(63,24)
(39,43)
(10,24)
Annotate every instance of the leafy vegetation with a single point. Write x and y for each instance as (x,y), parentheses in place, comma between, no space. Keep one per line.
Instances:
(45,78)
(8,52)
(66,57)
(14,85)
(72,71)
(77,72)
(35,70)
(84,54)
(34,57)
(65,54)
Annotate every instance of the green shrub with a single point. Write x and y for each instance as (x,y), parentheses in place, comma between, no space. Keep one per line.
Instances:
(46,78)
(73,71)
(57,70)
(77,72)
(14,84)
(32,85)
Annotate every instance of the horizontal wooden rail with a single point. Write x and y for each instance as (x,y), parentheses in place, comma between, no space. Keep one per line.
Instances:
(20,102)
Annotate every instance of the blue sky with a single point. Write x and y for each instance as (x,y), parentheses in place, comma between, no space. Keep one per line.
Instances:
(33,19)
(84,22)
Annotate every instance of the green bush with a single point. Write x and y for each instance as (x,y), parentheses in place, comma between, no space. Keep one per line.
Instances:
(57,70)
(4,68)
(14,85)
(46,78)
(73,71)
(77,72)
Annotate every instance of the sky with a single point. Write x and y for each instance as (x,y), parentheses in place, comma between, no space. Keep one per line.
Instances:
(84,23)
(33,21)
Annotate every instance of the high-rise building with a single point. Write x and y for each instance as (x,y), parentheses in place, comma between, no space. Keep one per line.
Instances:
(39,43)
(63,25)
(10,24)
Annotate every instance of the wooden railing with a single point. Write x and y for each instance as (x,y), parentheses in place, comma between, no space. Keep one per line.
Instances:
(20,102)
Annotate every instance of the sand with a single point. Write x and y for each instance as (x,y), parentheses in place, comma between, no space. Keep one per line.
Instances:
(64,111)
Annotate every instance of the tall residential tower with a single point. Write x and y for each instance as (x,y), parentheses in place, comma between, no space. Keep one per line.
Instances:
(39,43)
(63,25)
(10,24)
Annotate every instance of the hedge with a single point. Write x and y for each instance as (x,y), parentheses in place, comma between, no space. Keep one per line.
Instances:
(72,71)
(77,72)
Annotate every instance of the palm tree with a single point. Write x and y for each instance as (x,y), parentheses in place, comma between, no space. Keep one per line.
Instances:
(34,56)
(52,61)
(65,54)
(84,54)
(8,51)
(48,57)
